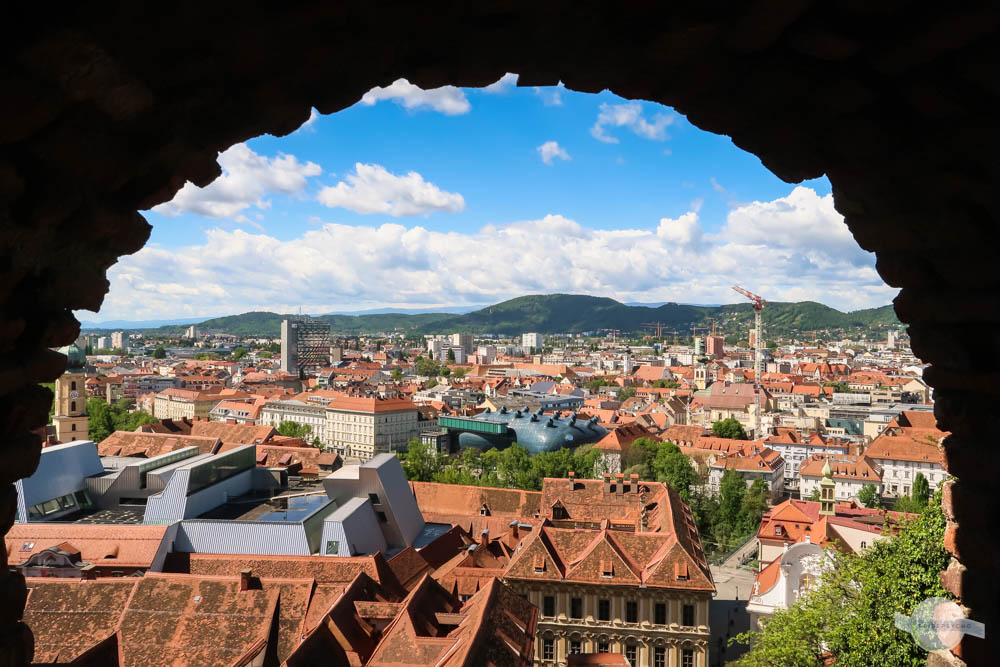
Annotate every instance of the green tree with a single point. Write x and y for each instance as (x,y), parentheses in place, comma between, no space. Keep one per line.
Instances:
(869,497)
(451,355)
(921,490)
(732,490)
(908,505)
(666,384)
(265,354)
(839,387)
(814,496)
(160,352)
(670,465)
(427,367)
(625,394)
(594,385)
(239,353)
(100,422)
(459,372)
(755,503)
(419,462)
(291,429)
(730,428)
(851,612)
(397,374)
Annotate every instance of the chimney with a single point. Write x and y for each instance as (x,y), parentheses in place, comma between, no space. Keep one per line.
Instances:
(620,483)
(484,537)
(572,476)
(514,525)
(633,481)
(244,580)
(607,483)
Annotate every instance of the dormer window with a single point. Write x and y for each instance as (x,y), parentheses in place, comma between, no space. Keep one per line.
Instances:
(539,564)
(607,569)
(681,571)
(777,530)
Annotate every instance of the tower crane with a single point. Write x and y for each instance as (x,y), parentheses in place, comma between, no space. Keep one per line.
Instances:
(758,356)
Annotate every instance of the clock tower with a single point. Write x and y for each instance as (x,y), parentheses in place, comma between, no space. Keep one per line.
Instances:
(70,416)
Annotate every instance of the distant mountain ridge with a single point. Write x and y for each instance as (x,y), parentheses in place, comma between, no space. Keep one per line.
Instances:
(569,313)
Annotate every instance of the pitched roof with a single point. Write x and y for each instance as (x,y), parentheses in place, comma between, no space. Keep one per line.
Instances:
(445,499)
(68,617)
(99,544)
(622,437)
(242,434)
(148,445)
(847,467)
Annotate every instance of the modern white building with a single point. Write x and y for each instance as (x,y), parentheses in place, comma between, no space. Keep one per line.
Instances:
(308,413)
(531,341)
(796,448)
(462,340)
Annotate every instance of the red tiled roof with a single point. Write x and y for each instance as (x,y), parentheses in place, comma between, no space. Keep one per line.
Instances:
(148,445)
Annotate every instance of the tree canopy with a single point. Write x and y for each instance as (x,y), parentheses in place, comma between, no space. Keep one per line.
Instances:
(730,428)
(104,419)
(160,352)
(291,429)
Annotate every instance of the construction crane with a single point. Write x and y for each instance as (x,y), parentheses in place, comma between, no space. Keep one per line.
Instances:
(758,356)
(656,326)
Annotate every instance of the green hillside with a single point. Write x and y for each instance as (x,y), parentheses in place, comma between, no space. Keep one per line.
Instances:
(571,313)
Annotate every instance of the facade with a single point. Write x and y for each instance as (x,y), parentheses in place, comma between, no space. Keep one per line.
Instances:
(119,340)
(361,427)
(753,462)
(849,473)
(908,445)
(180,404)
(301,412)
(191,332)
(70,416)
(796,448)
(531,341)
(786,579)
(713,345)
(305,345)
(464,341)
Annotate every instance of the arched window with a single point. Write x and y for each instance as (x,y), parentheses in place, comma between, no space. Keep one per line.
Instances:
(72,385)
(72,406)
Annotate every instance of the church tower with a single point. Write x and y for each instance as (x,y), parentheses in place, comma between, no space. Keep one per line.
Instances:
(70,416)
(826,487)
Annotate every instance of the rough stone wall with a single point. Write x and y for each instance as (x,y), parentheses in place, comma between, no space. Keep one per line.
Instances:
(109,108)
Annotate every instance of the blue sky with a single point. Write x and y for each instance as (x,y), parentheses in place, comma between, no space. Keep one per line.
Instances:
(459,196)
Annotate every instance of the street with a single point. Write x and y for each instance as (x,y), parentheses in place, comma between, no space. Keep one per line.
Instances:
(727,612)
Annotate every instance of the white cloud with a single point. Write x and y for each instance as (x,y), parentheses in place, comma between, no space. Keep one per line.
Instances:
(551,95)
(793,248)
(373,189)
(551,150)
(629,115)
(448,100)
(246,179)
(501,85)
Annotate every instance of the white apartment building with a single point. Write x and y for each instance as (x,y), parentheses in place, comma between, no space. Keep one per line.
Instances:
(901,458)
(796,448)
(301,412)
(849,473)
(462,340)
(119,340)
(363,426)
(752,463)
(531,340)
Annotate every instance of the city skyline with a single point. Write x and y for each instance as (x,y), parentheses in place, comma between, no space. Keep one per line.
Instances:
(401,200)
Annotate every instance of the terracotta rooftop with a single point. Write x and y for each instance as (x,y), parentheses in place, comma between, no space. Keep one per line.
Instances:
(242,434)
(120,545)
(620,438)
(848,467)
(447,499)
(148,445)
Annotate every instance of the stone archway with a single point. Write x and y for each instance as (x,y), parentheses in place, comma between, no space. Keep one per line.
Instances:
(109,112)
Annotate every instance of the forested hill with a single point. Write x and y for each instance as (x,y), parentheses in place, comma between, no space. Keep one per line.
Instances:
(569,313)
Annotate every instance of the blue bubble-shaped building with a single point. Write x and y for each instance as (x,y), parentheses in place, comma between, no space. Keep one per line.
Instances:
(535,431)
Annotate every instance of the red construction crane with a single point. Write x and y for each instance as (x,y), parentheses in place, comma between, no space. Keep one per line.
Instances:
(758,356)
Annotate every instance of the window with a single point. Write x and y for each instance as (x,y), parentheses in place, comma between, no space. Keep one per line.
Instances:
(688,615)
(687,658)
(864,545)
(72,427)
(72,385)
(603,647)
(72,406)
(549,605)
(659,656)
(630,654)
(660,613)
(548,649)
(574,646)
(631,611)
(576,608)
(374,498)
(381,517)
(332,547)
(604,610)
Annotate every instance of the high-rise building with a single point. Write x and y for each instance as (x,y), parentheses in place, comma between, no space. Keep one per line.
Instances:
(70,418)
(713,345)
(104,343)
(530,341)
(305,345)
(119,340)
(462,340)
(191,332)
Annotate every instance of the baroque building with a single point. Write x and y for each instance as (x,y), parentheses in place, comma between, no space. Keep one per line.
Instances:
(70,417)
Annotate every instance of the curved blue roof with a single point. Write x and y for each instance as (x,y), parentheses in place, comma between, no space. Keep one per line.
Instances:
(536,432)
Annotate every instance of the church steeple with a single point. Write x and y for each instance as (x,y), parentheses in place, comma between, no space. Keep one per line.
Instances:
(826,488)
(70,416)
